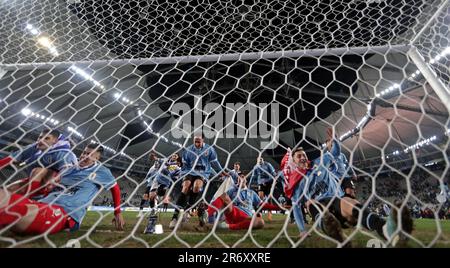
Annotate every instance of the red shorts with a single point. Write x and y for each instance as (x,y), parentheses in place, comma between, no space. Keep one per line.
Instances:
(39,188)
(47,217)
(236,215)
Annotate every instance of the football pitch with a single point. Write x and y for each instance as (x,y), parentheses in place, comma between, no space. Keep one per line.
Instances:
(277,233)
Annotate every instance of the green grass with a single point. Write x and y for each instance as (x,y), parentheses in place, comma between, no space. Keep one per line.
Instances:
(273,234)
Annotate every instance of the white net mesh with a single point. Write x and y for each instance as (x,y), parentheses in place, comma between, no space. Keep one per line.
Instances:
(256,78)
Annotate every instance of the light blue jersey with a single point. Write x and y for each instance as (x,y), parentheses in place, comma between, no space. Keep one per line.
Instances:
(200,161)
(263,173)
(235,175)
(57,157)
(169,173)
(245,199)
(344,170)
(27,153)
(56,160)
(153,171)
(321,182)
(79,187)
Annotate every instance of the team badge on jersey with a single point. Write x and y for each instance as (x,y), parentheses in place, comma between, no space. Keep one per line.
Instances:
(92,176)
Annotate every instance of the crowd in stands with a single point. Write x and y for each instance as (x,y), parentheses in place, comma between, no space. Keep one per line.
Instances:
(393,187)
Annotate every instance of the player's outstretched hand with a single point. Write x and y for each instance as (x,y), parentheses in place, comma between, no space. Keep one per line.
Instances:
(119,222)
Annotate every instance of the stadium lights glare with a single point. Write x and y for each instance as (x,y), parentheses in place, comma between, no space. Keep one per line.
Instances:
(48,44)
(32,29)
(117,96)
(420,144)
(446,51)
(76,133)
(27,112)
(86,76)
(42,39)
(127,100)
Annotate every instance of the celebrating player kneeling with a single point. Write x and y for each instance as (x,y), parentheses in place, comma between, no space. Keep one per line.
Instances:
(66,206)
(43,160)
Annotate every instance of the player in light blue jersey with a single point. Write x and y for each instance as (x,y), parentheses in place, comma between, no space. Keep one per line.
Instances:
(235,172)
(165,177)
(263,173)
(343,170)
(198,161)
(244,204)
(151,174)
(327,204)
(43,161)
(66,206)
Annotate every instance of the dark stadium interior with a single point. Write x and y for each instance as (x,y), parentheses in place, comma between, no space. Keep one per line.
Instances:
(143,29)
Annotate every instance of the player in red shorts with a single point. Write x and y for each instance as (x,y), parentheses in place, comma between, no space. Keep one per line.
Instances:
(43,161)
(244,203)
(66,206)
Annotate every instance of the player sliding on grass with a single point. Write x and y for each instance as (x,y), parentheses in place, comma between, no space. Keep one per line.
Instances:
(333,211)
(43,161)
(65,207)
(198,160)
(240,205)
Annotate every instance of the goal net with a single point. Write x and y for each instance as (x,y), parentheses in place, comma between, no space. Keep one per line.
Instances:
(255,79)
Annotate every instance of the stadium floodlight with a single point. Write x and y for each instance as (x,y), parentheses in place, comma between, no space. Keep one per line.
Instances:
(32,29)
(86,76)
(26,111)
(48,44)
(75,132)
(44,41)
(446,51)
(30,113)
